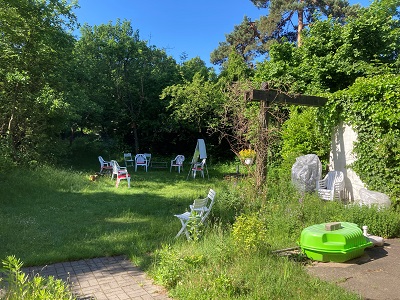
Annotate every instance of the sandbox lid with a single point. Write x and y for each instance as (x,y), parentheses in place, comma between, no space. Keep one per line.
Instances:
(339,243)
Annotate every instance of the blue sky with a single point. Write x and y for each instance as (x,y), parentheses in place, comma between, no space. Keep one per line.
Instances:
(178,26)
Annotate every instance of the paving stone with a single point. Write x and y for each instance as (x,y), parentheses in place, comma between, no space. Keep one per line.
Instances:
(103,278)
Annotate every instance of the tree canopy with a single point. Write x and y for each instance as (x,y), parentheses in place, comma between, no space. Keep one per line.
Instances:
(284,21)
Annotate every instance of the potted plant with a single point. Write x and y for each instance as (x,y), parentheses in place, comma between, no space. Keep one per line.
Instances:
(247,156)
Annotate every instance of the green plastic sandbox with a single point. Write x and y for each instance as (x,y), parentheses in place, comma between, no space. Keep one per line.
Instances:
(338,245)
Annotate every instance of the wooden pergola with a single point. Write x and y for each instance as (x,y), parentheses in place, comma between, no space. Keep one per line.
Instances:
(266,98)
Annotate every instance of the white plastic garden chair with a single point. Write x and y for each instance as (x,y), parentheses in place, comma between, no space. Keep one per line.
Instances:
(120,173)
(201,207)
(140,161)
(177,162)
(332,186)
(198,167)
(104,165)
(129,161)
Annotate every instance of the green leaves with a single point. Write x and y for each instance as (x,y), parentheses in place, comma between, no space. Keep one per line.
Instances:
(372,107)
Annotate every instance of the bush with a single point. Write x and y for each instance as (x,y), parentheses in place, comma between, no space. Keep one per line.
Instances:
(19,286)
(249,233)
(380,222)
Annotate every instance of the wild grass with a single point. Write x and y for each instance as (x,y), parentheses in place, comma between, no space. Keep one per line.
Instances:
(53,214)
(49,214)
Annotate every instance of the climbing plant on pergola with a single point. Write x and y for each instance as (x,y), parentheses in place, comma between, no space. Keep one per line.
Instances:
(268,97)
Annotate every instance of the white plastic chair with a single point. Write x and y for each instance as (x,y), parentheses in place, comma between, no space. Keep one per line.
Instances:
(177,162)
(140,161)
(104,165)
(148,157)
(129,161)
(202,207)
(120,173)
(198,167)
(332,186)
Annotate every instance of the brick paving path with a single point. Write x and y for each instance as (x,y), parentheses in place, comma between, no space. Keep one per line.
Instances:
(104,278)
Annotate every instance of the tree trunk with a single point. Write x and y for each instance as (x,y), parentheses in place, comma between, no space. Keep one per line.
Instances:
(262,147)
(135,137)
(300,25)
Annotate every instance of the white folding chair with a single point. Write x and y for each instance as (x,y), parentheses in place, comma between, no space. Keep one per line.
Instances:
(201,207)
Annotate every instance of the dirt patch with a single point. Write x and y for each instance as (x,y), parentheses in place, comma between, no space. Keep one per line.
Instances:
(374,275)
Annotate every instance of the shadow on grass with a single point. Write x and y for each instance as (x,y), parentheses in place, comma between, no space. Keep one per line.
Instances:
(50,215)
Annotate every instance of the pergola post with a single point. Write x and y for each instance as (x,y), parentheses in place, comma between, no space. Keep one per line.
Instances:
(266,98)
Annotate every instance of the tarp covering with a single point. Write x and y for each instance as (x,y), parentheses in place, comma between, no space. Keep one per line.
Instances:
(306,171)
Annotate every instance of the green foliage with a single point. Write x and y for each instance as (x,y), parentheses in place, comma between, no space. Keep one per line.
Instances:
(302,134)
(195,226)
(19,286)
(381,222)
(243,40)
(333,55)
(253,38)
(193,102)
(172,265)
(249,233)
(123,78)
(371,107)
(35,75)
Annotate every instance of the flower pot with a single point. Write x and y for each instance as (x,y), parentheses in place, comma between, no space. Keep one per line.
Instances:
(248,161)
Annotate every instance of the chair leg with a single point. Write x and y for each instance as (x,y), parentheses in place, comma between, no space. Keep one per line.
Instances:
(129,181)
(183,229)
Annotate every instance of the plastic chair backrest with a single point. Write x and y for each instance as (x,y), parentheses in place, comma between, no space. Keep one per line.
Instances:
(127,156)
(140,159)
(179,159)
(333,177)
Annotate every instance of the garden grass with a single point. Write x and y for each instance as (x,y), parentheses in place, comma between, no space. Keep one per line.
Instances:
(49,215)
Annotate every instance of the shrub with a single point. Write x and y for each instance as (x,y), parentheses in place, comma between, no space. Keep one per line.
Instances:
(171,265)
(380,222)
(249,233)
(18,285)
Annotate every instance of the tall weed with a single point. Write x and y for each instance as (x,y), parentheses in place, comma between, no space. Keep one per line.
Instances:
(17,285)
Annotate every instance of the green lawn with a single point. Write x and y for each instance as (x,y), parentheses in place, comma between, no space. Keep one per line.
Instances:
(49,215)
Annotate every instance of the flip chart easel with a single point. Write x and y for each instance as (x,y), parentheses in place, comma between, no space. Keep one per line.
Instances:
(200,153)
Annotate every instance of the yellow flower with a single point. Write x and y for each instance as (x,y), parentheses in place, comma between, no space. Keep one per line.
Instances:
(247,153)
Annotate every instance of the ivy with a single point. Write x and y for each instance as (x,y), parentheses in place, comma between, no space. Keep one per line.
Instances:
(372,107)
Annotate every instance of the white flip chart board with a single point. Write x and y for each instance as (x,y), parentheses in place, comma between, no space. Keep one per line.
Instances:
(200,151)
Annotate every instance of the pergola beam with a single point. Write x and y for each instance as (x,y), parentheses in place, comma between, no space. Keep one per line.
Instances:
(272,96)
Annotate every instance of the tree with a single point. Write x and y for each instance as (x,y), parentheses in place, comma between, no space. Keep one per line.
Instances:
(190,67)
(282,13)
(285,22)
(245,39)
(124,76)
(35,49)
